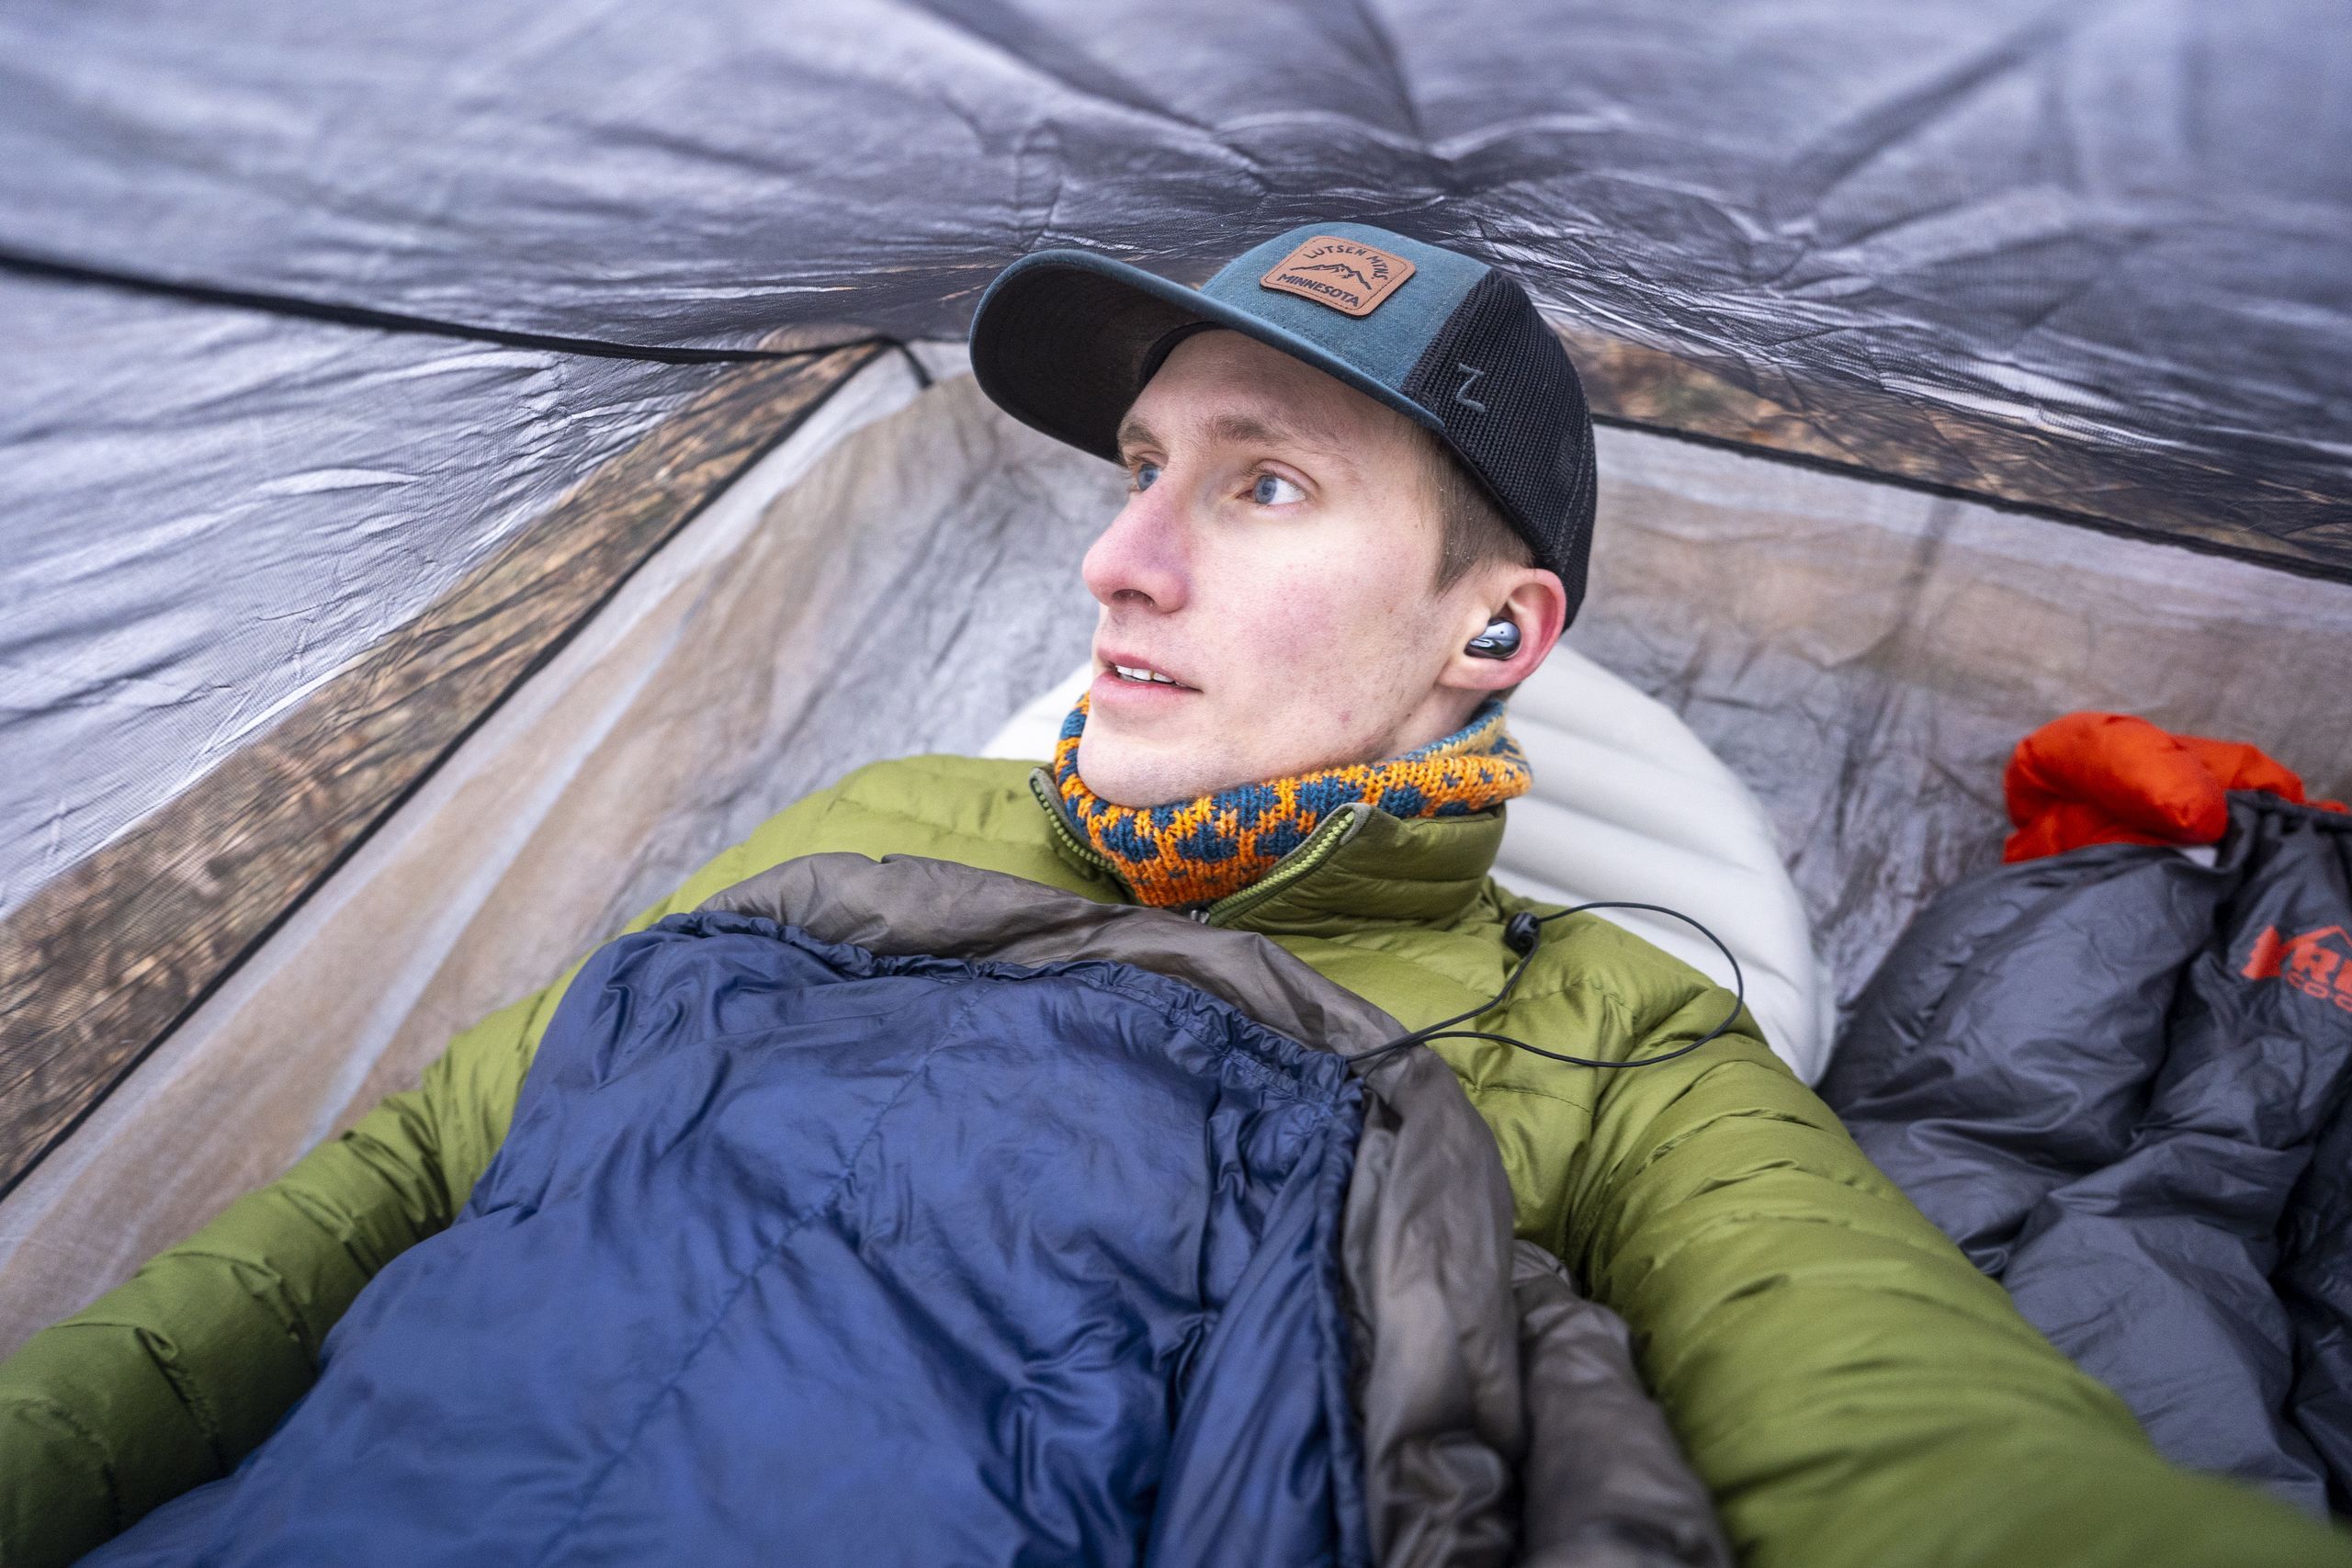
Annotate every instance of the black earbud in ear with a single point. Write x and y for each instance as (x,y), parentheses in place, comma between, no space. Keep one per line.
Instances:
(1499,640)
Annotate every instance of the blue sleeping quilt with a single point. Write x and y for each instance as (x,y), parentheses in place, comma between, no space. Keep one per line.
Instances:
(795,1253)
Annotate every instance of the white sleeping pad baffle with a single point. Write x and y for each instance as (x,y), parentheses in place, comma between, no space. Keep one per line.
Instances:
(1628,804)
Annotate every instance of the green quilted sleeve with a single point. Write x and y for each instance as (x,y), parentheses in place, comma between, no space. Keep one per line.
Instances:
(1852,1390)
(167,1382)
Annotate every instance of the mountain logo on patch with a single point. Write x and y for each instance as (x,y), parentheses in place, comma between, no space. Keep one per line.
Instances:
(1348,275)
(2318,963)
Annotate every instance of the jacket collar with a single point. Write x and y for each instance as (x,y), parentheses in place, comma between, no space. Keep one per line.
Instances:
(1375,869)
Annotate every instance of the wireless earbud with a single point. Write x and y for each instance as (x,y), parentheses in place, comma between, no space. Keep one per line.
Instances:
(1499,640)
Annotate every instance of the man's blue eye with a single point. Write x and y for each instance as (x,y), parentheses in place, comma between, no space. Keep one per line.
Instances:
(1145,474)
(1273,490)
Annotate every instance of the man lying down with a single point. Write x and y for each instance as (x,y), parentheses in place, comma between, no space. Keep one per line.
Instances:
(984,1208)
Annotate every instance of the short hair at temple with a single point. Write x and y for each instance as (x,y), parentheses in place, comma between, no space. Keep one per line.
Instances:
(1475,530)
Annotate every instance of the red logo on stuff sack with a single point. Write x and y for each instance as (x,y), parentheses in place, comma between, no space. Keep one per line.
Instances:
(2318,963)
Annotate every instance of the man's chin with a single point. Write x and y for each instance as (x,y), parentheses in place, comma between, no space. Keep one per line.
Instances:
(1128,771)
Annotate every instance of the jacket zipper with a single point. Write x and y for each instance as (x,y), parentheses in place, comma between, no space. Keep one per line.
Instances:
(1301,862)
(1050,798)
(1292,868)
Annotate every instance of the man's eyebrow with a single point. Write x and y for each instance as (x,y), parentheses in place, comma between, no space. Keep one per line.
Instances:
(1248,431)
(1133,432)
(1245,431)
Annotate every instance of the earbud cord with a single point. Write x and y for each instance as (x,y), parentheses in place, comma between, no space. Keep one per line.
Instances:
(1521,935)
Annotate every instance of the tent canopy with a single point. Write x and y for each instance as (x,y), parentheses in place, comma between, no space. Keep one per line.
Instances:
(2087,257)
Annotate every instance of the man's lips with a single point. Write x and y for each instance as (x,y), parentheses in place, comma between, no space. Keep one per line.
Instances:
(1124,678)
(1134,671)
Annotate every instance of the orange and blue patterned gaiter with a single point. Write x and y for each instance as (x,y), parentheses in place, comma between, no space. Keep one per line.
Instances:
(1195,851)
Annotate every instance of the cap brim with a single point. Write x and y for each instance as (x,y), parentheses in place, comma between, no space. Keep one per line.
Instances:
(1063,341)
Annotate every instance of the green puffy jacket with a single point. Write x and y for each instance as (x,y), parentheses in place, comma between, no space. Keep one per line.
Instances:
(1851,1389)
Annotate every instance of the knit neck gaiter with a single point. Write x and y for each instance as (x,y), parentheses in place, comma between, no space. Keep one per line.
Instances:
(1198,850)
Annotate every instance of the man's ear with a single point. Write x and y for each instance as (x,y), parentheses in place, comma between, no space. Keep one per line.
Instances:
(1530,599)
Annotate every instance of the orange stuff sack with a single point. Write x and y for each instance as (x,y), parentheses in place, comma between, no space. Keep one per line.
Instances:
(2109,778)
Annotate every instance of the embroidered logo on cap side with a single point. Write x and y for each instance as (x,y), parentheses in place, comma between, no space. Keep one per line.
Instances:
(1347,275)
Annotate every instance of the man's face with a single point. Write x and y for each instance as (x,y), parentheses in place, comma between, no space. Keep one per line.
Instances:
(1276,562)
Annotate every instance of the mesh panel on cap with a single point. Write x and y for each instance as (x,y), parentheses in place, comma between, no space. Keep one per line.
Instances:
(1532,445)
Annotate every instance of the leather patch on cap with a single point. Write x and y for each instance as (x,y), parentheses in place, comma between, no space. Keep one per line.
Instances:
(1347,275)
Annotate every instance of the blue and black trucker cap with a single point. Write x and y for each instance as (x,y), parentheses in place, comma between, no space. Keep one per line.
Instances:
(1064,340)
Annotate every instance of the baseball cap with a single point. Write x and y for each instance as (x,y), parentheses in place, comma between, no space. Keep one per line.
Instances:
(1064,340)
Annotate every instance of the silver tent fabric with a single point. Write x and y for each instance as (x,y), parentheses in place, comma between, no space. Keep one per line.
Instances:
(212,509)
(2113,230)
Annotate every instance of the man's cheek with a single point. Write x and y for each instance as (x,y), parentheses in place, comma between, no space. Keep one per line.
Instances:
(1302,633)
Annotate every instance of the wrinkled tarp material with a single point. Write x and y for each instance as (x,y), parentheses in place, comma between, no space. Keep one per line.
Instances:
(210,510)
(2111,778)
(753,1157)
(2117,1077)
(2116,232)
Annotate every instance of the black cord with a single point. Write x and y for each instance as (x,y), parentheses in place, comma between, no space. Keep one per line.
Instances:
(1522,935)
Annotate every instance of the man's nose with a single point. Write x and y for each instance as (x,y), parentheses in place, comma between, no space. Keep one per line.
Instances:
(1139,560)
